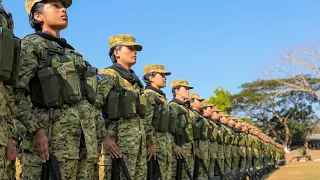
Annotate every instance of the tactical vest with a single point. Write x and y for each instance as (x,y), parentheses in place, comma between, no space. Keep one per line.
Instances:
(203,128)
(162,120)
(183,131)
(213,132)
(124,103)
(228,136)
(10,47)
(62,78)
(243,139)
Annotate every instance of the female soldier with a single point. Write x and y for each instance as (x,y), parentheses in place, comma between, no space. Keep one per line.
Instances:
(159,139)
(60,85)
(123,109)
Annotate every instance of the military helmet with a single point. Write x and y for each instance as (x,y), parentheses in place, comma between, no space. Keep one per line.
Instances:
(30,3)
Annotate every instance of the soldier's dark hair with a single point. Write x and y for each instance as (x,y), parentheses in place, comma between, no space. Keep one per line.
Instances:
(111,54)
(174,90)
(37,8)
(147,76)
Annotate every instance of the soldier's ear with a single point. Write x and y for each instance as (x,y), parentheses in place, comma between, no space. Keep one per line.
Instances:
(38,17)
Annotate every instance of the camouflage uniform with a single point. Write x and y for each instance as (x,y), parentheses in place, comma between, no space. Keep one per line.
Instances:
(157,133)
(73,135)
(7,103)
(249,152)
(131,131)
(227,146)
(183,116)
(243,151)
(203,141)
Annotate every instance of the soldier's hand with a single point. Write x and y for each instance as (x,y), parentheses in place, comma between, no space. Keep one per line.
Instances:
(152,151)
(42,143)
(197,152)
(11,152)
(179,152)
(109,143)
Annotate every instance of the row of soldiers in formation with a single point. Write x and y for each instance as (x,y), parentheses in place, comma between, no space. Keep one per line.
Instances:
(60,111)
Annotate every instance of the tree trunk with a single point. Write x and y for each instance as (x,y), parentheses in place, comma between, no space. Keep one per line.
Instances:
(287,136)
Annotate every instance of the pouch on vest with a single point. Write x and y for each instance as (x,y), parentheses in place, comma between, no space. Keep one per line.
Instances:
(49,82)
(215,134)
(12,81)
(180,136)
(220,137)
(204,131)
(209,135)
(156,116)
(112,108)
(128,103)
(71,89)
(91,83)
(242,142)
(6,53)
(189,133)
(165,118)
(196,131)
(142,105)
(172,121)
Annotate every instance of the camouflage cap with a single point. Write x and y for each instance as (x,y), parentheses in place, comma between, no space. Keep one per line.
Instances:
(195,96)
(224,114)
(207,103)
(216,109)
(158,68)
(30,3)
(180,82)
(123,40)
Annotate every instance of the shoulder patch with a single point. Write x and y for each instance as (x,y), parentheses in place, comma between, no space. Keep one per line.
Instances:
(108,71)
(100,77)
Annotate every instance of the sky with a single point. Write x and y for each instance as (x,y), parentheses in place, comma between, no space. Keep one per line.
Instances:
(210,43)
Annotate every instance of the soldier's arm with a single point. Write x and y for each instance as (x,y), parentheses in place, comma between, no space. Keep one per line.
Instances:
(148,120)
(107,81)
(174,115)
(28,67)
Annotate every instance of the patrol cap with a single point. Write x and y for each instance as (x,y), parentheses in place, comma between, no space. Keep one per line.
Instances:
(158,68)
(30,3)
(180,82)
(215,109)
(195,96)
(207,103)
(123,40)
(224,114)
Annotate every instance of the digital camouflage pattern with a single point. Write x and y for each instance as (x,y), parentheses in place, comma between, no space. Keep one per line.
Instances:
(73,127)
(30,3)
(180,82)
(187,147)
(131,132)
(155,68)
(123,40)
(163,140)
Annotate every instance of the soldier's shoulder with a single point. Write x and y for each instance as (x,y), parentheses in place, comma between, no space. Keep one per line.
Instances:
(34,39)
(108,72)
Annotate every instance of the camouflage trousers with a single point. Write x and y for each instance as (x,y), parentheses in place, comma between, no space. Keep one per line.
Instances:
(132,141)
(213,151)
(235,150)
(163,142)
(220,157)
(204,147)
(249,158)
(243,157)
(2,161)
(82,168)
(187,148)
(228,158)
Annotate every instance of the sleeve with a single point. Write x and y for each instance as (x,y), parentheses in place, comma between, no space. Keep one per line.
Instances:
(107,81)
(151,102)
(29,65)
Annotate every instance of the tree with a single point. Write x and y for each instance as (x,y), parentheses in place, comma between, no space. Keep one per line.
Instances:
(222,99)
(269,106)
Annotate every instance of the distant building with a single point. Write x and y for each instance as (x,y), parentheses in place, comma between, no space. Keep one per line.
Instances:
(314,141)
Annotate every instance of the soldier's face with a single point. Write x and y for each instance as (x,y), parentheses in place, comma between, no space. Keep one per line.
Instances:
(183,92)
(197,104)
(126,55)
(215,115)
(159,80)
(53,16)
(231,123)
(207,111)
(238,125)
(244,128)
(224,120)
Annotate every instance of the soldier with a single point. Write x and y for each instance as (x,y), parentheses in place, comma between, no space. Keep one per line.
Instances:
(201,135)
(207,112)
(242,146)
(159,137)
(55,93)
(233,123)
(10,56)
(123,109)
(227,143)
(183,144)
